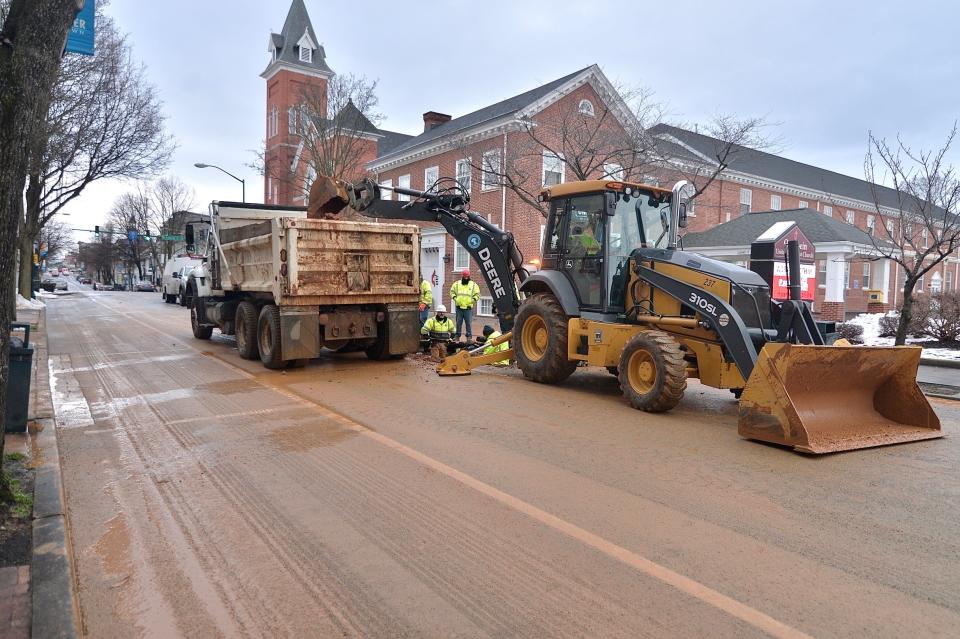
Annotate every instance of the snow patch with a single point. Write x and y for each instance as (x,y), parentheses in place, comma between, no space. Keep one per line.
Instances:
(870,322)
(23,304)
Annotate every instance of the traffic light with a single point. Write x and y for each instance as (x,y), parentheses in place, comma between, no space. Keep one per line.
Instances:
(96,231)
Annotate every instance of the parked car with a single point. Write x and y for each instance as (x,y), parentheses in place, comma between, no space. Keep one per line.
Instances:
(86,280)
(175,275)
(49,284)
(145,286)
(61,285)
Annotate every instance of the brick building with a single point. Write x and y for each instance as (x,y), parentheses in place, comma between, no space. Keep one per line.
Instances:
(464,146)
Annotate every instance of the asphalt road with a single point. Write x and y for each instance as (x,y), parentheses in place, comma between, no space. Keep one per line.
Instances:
(209,497)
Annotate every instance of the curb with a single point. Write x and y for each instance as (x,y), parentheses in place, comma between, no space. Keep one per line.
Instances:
(942,363)
(54,609)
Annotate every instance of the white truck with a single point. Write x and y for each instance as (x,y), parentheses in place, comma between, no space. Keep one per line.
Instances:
(288,286)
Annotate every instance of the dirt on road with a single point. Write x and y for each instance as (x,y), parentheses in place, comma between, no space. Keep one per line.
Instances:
(208,497)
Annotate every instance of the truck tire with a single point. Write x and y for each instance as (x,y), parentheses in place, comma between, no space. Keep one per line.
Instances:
(246,330)
(268,337)
(380,351)
(169,299)
(653,373)
(183,298)
(540,340)
(199,331)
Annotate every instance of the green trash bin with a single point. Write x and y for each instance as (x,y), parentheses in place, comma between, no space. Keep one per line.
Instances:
(18,384)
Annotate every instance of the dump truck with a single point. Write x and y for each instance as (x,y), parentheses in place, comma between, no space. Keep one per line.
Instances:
(288,286)
(616,290)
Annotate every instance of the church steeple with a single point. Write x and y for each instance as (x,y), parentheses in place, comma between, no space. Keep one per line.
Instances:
(297,45)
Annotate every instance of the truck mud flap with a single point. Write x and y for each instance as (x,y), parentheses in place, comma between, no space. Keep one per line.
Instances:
(299,332)
(403,328)
(824,399)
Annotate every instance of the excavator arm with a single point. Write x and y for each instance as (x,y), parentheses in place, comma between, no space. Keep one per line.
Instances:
(492,248)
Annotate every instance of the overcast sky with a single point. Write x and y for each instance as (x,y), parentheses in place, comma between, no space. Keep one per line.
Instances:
(826,72)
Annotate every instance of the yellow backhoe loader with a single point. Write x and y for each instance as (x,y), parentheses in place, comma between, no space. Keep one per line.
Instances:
(614,290)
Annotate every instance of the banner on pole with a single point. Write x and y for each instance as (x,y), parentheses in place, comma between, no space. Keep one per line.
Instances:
(81,37)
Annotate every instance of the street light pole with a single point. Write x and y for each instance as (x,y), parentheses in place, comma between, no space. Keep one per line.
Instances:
(243,184)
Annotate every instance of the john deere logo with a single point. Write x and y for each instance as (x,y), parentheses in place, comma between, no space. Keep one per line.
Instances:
(473,241)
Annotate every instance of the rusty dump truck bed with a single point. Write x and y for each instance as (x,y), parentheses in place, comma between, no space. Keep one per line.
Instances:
(310,262)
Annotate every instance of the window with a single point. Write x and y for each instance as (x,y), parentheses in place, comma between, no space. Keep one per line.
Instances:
(276,192)
(388,194)
(491,171)
(865,282)
(292,120)
(273,121)
(403,182)
(485,307)
(464,174)
(871,224)
(308,181)
(851,217)
(430,177)
(828,211)
(924,238)
(919,287)
(804,204)
(746,200)
(269,189)
(908,232)
(846,274)
(936,284)
(691,208)
(613,171)
(586,108)
(543,229)
(889,225)
(306,54)
(461,258)
(775,203)
(948,281)
(822,273)
(552,169)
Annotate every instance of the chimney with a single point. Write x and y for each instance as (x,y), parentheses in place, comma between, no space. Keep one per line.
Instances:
(432,119)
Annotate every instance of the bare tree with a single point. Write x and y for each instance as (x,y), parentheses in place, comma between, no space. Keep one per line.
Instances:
(105,121)
(28,71)
(921,216)
(99,255)
(55,237)
(333,132)
(169,196)
(131,212)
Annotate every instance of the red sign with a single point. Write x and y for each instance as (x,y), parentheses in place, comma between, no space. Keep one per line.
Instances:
(807,250)
(808,281)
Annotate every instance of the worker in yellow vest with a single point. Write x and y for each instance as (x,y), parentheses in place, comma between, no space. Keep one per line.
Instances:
(438,330)
(464,294)
(490,334)
(426,300)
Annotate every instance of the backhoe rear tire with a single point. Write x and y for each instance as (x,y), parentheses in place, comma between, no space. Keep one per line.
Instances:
(268,337)
(653,373)
(540,340)
(245,325)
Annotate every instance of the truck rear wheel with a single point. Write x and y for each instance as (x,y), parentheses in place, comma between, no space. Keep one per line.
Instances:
(199,330)
(268,337)
(246,329)
(653,373)
(540,340)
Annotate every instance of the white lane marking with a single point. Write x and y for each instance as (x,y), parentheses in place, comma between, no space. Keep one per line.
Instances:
(127,362)
(684,584)
(69,405)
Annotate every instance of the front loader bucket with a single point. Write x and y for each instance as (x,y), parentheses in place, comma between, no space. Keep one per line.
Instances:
(824,399)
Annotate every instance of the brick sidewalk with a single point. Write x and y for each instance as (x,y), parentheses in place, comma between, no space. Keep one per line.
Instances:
(15,602)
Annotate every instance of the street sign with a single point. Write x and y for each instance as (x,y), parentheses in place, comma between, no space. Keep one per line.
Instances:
(81,37)
(172,237)
(132,236)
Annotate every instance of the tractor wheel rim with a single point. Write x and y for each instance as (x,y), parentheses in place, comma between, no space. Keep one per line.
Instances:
(534,338)
(642,371)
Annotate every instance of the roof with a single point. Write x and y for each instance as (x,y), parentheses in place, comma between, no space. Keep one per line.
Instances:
(781,169)
(500,109)
(352,118)
(296,24)
(818,227)
(390,141)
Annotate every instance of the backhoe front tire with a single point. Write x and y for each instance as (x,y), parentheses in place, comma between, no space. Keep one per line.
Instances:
(540,340)
(653,373)
(245,325)
(268,337)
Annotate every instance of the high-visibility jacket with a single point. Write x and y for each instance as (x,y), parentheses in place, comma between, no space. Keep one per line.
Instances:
(588,242)
(496,349)
(438,329)
(426,293)
(464,295)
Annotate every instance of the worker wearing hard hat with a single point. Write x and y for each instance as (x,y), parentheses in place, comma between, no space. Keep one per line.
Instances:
(439,331)
(490,335)
(426,300)
(464,294)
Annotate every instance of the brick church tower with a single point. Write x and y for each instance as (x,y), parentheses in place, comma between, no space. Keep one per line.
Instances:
(297,68)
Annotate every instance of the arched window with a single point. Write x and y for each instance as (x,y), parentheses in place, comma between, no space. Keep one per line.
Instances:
(586,108)
(936,284)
